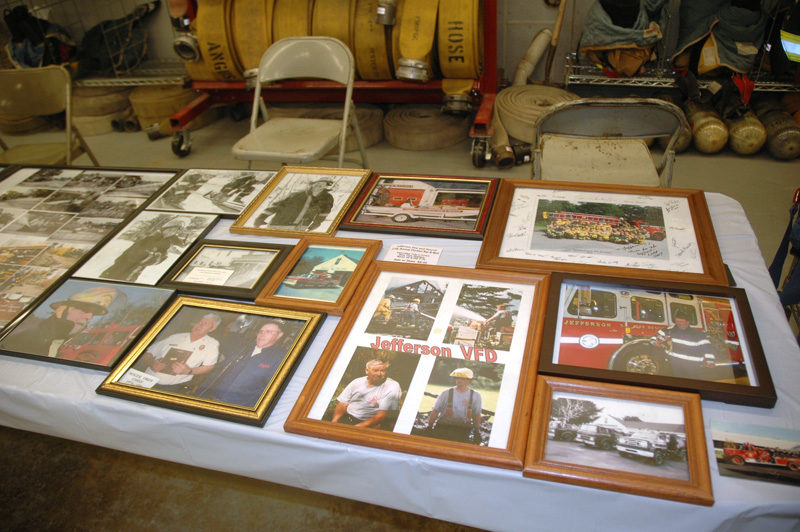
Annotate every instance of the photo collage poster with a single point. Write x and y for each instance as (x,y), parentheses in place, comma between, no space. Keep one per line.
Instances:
(429,330)
(50,218)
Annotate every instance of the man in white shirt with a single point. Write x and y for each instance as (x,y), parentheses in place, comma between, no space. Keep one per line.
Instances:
(366,401)
(458,411)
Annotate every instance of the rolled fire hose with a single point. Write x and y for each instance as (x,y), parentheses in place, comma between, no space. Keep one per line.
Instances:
(684,139)
(291,18)
(214,38)
(369,40)
(417,32)
(783,133)
(746,133)
(332,18)
(424,127)
(251,21)
(708,130)
(90,125)
(97,101)
(460,48)
(533,55)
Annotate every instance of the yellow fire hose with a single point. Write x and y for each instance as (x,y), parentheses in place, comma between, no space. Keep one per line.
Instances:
(417,31)
(370,43)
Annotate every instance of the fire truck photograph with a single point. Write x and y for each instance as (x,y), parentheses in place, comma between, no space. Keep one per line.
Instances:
(484,317)
(602,228)
(429,203)
(757,452)
(321,273)
(617,434)
(632,329)
(407,308)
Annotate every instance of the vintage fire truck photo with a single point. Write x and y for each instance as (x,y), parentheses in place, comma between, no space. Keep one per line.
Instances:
(632,329)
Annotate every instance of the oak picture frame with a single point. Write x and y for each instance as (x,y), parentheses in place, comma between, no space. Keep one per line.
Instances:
(423,205)
(616,344)
(277,291)
(353,343)
(213,285)
(631,475)
(136,378)
(293,205)
(524,236)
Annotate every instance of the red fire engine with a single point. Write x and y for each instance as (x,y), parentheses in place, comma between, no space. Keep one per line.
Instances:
(754,454)
(610,328)
(654,232)
(408,200)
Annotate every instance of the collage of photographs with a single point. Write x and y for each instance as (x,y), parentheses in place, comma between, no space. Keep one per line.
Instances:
(577,350)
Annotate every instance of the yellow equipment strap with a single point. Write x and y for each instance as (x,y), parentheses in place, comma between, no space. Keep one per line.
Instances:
(457,86)
(332,18)
(291,18)
(459,42)
(417,28)
(372,59)
(213,37)
(251,24)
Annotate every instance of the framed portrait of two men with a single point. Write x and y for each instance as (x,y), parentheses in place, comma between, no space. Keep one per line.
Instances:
(216,358)
(431,360)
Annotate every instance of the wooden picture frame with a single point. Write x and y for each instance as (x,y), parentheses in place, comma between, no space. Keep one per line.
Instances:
(343,262)
(209,268)
(442,346)
(631,232)
(101,320)
(614,452)
(300,201)
(443,206)
(212,191)
(236,369)
(603,328)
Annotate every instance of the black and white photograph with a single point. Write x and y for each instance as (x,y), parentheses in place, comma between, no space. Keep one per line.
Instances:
(61,254)
(617,434)
(52,178)
(138,184)
(108,206)
(86,229)
(7,215)
(93,180)
(303,200)
(146,248)
(407,308)
(37,224)
(213,191)
(24,197)
(71,201)
(484,317)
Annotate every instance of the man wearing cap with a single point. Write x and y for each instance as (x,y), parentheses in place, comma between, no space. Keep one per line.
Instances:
(145,251)
(176,359)
(689,349)
(70,316)
(300,211)
(411,312)
(456,414)
(366,401)
(246,373)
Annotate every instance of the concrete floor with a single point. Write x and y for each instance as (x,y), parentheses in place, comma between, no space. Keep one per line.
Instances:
(53,484)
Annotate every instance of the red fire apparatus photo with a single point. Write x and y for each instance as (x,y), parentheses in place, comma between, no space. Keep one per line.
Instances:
(410,200)
(753,454)
(610,327)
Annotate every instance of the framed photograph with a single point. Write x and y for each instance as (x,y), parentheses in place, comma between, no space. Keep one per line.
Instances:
(226,268)
(223,192)
(451,207)
(321,273)
(85,323)
(620,438)
(757,452)
(301,200)
(630,232)
(147,247)
(431,360)
(666,335)
(215,358)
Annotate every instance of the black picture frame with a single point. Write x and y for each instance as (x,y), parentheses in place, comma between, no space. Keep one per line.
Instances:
(170,280)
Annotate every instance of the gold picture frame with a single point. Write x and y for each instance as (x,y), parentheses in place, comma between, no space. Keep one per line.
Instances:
(642,441)
(234,370)
(300,201)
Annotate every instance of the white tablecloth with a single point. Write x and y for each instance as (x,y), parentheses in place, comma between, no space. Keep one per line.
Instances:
(61,401)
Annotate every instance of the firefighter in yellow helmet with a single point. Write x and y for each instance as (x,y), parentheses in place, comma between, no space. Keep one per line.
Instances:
(456,414)
(70,316)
